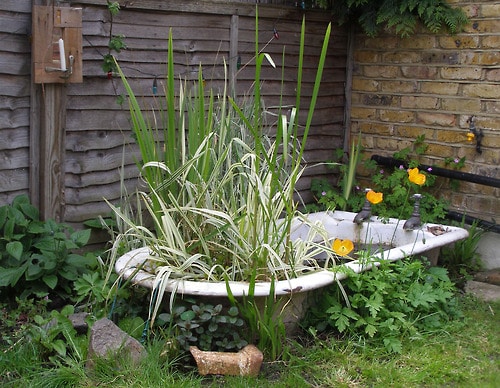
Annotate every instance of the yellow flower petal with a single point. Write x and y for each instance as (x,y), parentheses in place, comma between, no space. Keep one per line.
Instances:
(374,197)
(470,136)
(416,177)
(342,247)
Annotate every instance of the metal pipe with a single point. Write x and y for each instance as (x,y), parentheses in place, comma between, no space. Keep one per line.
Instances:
(453,174)
(486,225)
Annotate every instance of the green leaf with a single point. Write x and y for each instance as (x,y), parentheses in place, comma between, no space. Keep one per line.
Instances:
(188,315)
(81,237)
(10,276)
(393,344)
(30,211)
(15,249)
(50,281)
(60,347)
(79,261)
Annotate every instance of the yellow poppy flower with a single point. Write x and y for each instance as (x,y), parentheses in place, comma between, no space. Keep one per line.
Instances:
(342,247)
(374,197)
(416,177)
(470,136)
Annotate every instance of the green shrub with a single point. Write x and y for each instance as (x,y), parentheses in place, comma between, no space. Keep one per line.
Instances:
(387,303)
(209,327)
(462,259)
(37,257)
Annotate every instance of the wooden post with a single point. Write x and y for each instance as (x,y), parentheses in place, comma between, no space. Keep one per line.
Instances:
(52,140)
(57,60)
(233,54)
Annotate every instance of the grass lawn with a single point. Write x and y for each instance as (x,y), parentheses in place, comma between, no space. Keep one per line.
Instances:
(464,354)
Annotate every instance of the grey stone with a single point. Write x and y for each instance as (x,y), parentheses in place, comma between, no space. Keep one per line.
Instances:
(108,340)
(483,291)
(79,323)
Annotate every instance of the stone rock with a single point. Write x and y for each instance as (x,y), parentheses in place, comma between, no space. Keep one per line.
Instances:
(483,291)
(79,323)
(492,276)
(246,362)
(108,340)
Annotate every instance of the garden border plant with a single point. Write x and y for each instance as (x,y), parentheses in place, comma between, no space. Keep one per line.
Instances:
(38,258)
(389,302)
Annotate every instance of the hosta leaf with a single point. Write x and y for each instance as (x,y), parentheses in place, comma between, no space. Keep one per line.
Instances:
(10,276)
(50,281)
(15,249)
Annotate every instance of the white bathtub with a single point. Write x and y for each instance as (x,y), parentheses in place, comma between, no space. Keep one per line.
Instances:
(339,225)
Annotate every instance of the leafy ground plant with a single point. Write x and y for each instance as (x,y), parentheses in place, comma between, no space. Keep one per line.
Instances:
(387,303)
(208,326)
(462,259)
(38,257)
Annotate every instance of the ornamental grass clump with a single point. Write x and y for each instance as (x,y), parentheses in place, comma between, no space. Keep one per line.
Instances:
(221,184)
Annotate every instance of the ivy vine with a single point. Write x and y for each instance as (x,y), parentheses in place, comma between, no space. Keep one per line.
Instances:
(400,16)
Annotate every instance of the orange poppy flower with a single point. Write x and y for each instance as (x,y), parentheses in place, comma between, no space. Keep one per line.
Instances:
(342,247)
(416,177)
(374,197)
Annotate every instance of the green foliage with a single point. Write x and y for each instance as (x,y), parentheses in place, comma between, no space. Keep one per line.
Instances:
(37,257)
(57,336)
(265,323)
(395,186)
(347,198)
(209,327)
(396,300)
(400,16)
(115,42)
(462,259)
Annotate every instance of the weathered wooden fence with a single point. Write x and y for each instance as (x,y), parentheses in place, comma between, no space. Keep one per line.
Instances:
(86,168)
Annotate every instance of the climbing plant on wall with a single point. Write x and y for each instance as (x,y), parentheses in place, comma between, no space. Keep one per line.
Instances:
(401,16)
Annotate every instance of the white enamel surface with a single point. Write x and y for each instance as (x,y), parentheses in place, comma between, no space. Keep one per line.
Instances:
(339,225)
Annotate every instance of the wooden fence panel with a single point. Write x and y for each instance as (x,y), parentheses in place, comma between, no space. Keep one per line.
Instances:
(98,148)
(15,23)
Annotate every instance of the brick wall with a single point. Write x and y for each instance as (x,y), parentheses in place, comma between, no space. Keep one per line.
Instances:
(432,84)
